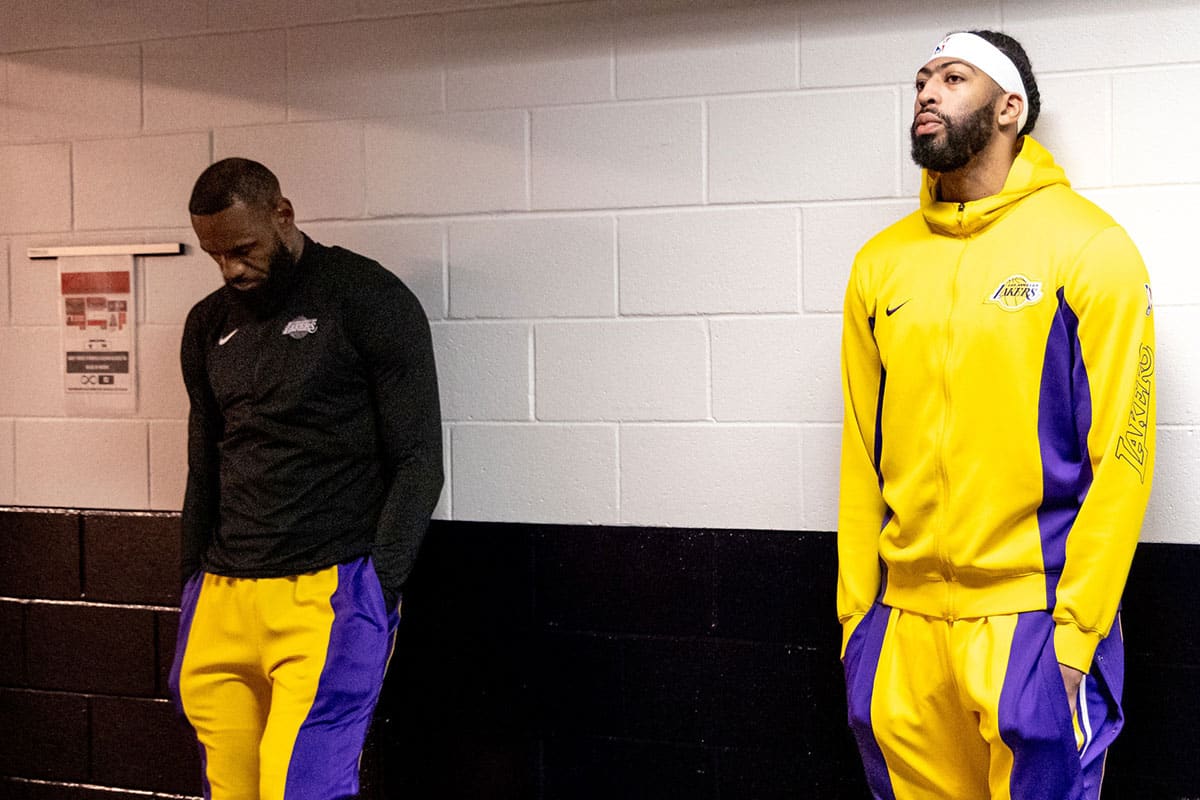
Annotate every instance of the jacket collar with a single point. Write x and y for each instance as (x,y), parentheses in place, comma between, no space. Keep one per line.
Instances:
(1034,169)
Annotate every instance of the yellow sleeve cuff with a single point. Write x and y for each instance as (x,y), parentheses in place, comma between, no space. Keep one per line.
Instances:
(1075,647)
(848,626)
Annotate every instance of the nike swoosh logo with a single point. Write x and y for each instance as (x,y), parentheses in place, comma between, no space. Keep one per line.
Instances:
(227,336)
(893,309)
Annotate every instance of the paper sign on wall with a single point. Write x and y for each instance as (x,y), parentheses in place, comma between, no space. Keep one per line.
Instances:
(96,307)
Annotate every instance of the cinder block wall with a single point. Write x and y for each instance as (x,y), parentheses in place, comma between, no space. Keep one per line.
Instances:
(534,662)
(87,633)
(630,221)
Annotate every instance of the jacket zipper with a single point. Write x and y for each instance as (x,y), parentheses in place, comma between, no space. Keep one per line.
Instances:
(943,552)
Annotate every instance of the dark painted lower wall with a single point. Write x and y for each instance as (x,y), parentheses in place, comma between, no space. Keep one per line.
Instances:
(532,662)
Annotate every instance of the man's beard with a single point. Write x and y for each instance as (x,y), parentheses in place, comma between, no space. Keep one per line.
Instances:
(965,138)
(265,299)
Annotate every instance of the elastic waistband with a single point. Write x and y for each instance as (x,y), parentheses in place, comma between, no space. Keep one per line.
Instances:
(950,599)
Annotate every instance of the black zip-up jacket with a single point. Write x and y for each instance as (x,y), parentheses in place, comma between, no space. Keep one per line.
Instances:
(314,435)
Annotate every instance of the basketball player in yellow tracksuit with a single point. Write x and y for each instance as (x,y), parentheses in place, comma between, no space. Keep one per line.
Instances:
(997,451)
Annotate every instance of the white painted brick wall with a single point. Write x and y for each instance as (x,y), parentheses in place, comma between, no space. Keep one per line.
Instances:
(742,476)
(677,48)
(630,370)
(777,369)
(617,155)
(308,12)
(519,57)
(447,163)
(168,464)
(630,222)
(1175,502)
(1178,387)
(803,146)
(136,183)
(4,282)
(709,262)
(7,461)
(206,81)
(380,68)
(483,370)
(559,267)
(30,358)
(235,14)
(161,394)
(821,451)
(45,26)
(51,469)
(36,188)
(536,473)
(1150,145)
(92,91)
(1104,34)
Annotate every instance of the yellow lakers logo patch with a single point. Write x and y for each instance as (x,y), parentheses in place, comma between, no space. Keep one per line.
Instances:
(1016,292)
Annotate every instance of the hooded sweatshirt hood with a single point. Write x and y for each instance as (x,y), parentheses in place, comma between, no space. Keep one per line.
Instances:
(1033,169)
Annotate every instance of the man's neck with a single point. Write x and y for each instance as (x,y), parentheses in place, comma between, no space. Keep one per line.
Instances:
(983,176)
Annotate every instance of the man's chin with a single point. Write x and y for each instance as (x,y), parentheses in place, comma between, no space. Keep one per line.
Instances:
(259,298)
(932,158)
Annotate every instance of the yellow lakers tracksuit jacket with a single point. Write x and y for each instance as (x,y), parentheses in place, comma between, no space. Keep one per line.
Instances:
(998,445)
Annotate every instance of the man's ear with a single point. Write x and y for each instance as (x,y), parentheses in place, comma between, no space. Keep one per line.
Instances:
(284,215)
(1010,111)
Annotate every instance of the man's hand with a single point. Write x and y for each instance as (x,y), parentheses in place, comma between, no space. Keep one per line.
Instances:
(1071,680)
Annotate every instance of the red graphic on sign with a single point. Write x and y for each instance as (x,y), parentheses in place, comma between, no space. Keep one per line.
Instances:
(89,282)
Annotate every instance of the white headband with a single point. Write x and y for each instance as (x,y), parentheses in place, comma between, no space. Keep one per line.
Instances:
(984,55)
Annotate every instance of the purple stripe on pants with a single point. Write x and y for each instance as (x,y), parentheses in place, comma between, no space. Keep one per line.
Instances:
(187,611)
(1035,719)
(1034,715)
(324,763)
(861,662)
(1105,686)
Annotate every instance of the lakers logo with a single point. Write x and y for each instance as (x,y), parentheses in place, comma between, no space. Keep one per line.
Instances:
(300,327)
(1016,292)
